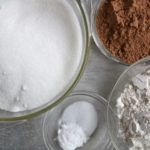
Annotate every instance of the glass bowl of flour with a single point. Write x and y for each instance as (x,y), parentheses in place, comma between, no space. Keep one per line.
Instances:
(128,113)
(43,50)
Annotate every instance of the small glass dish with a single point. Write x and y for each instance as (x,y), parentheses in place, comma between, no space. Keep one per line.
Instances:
(95,5)
(99,139)
(112,117)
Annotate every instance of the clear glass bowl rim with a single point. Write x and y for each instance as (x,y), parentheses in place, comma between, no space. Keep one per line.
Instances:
(96,38)
(109,98)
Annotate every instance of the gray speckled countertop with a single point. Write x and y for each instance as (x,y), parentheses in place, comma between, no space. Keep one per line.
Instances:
(100,76)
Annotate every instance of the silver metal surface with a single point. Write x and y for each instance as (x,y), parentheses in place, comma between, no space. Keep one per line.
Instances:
(100,76)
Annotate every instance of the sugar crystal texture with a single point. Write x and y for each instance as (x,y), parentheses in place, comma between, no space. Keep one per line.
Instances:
(40,51)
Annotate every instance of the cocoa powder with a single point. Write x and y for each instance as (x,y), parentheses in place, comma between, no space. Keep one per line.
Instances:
(124,28)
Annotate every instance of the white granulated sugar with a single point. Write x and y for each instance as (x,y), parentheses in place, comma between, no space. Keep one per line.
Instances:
(133,108)
(40,51)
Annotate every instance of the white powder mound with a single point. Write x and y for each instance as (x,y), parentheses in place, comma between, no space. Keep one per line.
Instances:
(82,113)
(40,51)
(77,124)
(71,136)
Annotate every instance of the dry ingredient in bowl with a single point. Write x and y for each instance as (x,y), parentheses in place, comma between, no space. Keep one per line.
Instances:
(77,124)
(133,107)
(123,26)
(40,51)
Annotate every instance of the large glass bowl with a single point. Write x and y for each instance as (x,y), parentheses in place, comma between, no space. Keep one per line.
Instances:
(112,118)
(95,5)
(9,116)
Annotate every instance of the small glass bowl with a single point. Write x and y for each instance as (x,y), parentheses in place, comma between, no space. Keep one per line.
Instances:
(112,117)
(95,5)
(99,139)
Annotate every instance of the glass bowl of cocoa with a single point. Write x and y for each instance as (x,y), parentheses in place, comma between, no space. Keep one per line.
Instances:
(121,29)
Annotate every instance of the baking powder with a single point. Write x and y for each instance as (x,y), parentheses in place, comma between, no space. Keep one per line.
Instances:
(77,124)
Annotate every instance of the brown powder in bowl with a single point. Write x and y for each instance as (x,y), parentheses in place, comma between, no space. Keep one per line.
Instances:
(124,28)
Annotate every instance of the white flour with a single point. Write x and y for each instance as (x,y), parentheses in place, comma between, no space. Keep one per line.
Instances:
(78,123)
(133,108)
(40,50)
